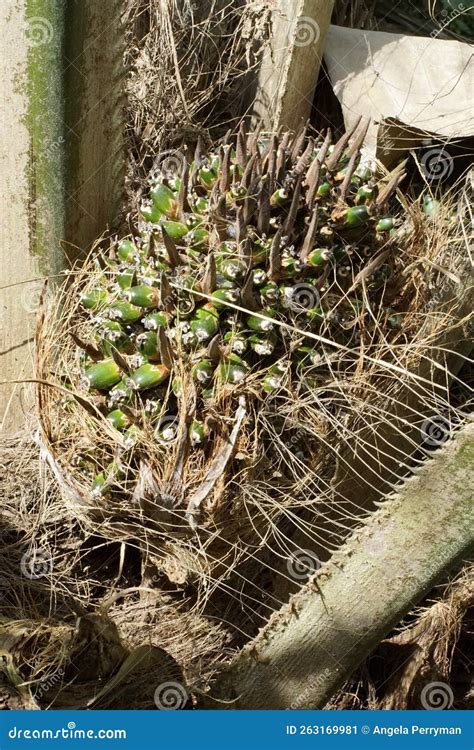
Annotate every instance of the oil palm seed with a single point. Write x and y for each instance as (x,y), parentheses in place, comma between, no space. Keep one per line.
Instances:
(102,375)
(147,376)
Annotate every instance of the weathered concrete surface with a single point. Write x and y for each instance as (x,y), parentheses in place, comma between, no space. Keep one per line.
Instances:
(62,162)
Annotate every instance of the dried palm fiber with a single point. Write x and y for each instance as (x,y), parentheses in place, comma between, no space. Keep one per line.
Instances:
(191,68)
(214,459)
(64,594)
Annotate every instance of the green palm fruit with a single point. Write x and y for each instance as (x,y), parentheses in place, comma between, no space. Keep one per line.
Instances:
(143,296)
(154,320)
(319,257)
(430,205)
(238,342)
(94,299)
(324,190)
(208,177)
(256,323)
(198,238)
(124,311)
(205,323)
(167,430)
(270,292)
(175,229)
(197,433)
(124,280)
(102,375)
(234,270)
(150,213)
(221,296)
(307,356)
(127,251)
(273,378)
(259,276)
(177,387)
(233,370)
(164,200)
(385,224)
(280,197)
(118,419)
(365,194)
(147,376)
(203,371)
(356,216)
(263,345)
(120,394)
(200,205)
(147,345)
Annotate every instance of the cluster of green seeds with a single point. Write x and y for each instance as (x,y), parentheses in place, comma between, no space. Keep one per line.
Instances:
(239,255)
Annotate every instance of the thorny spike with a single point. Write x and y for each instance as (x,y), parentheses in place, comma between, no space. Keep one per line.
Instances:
(247,175)
(225,181)
(209,279)
(247,296)
(120,361)
(308,243)
(312,178)
(298,142)
(351,168)
(272,161)
(390,188)
(214,349)
(240,233)
(250,204)
(200,150)
(166,294)
(91,350)
(303,161)
(183,204)
(339,148)
(295,203)
(252,142)
(275,257)
(164,347)
(265,210)
(241,149)
(355,146)
(171,250)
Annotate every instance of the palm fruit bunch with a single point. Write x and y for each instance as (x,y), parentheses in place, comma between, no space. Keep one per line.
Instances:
(243,262)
